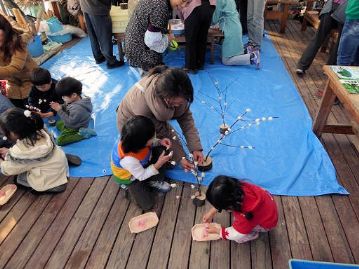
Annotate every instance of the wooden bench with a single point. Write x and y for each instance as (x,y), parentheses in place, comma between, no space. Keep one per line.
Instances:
(214,36)
(281,13)
(334,89)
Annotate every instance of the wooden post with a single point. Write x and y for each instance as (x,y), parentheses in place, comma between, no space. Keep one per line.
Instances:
(324,110)
(284,18)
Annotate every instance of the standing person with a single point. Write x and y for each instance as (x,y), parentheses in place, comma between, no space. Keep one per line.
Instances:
(253,208)
(331,17)
(348,51)
(255,24)
(147,12)
(197,16)
(242,10)
(16,64)
(99,28)
(232,48)
(164,94)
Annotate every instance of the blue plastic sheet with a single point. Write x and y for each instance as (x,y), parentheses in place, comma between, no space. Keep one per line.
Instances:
(286,159)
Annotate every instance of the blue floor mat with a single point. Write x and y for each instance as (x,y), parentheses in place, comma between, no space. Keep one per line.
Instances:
(286,159)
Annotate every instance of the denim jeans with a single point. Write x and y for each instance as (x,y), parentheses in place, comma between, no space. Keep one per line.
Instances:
(348,51)
(255,22)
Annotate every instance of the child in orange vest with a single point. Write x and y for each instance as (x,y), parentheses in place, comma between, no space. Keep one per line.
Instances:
(254,209)
(137,159)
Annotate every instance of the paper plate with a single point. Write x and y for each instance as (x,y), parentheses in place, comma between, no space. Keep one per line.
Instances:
(6,193)
(143,222)
(199,232)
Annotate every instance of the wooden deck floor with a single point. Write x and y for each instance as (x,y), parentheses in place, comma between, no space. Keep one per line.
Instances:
(87,226)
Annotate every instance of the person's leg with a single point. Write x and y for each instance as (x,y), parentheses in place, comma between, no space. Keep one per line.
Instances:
(243,59)
(95,45)
(333,52)
(242,9)
(191,34)
(206,13)
(349,44)
(103,29)
(141,193)
(255,20)
(327,23)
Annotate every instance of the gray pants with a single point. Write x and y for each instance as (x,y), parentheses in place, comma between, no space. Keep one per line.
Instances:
(255,21)
(243,59)
(99,29)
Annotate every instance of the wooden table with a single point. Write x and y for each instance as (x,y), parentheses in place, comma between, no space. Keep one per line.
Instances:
(350,102)
(281,14)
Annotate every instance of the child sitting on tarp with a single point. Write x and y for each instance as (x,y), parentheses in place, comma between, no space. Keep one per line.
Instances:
(137,161)
(38,163)
(75,113)
(253,208)
(43,93)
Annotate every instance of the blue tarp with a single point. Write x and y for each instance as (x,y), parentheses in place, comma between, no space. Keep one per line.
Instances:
(287,158)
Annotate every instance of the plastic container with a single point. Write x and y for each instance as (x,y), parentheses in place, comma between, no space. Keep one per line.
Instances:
(303,264)
(54,25)
(35,47)
(61,38)
(177,26)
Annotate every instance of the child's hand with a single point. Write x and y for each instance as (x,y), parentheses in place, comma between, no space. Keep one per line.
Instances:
(166,142)
(55,106)
(163,159)
(3,152)
(213,229)
(207,218)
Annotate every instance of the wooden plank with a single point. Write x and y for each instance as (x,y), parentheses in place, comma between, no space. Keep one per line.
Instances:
(163,240)
(181,245)
(37,231)
(85,244)
(22,227)
(15,215)
(5,209)
(279,241)
(107,237)
(73,231)
(241,256)
(199,256)
(315,230)
(221,249)
(338,129)
(142,246)
(124,241)
(57,228)
(260,252)
(334,230)
(298,239)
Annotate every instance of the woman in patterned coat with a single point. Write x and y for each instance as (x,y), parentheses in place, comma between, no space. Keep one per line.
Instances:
(154,12)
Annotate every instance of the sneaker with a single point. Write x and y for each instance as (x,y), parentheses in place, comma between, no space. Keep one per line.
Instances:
(100,60)
(73,160)
(300,72)
(115,64)
(161,186)
(255,58)
(87,132)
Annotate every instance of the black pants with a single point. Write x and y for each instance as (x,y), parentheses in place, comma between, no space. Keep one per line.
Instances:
(140,191)
(19,102)
(327,23)
(196,31)
(242,9)
(99,29)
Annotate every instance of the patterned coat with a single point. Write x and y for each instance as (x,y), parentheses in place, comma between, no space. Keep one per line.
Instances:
(156,12)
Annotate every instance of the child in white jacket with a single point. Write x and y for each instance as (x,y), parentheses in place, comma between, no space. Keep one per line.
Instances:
(36,160)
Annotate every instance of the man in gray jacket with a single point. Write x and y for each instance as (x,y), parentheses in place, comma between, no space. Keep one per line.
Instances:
(99,29)
(331,16)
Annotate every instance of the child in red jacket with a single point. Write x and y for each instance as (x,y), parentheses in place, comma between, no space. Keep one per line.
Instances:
(253,208)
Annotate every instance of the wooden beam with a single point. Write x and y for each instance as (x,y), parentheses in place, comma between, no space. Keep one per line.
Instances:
(338,129)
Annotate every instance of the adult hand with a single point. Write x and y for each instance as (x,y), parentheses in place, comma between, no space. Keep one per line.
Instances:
(198,156)
(166,142)
(55,106)
(186,165)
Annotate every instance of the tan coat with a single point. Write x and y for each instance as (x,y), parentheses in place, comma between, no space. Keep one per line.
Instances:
(44,165)
(17,72)
(141,100)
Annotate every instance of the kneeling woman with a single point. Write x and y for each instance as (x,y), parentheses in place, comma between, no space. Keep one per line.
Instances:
(36,160)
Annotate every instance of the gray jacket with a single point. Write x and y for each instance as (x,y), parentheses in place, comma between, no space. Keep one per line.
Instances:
(96,7)
(338,14)
(77,114)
